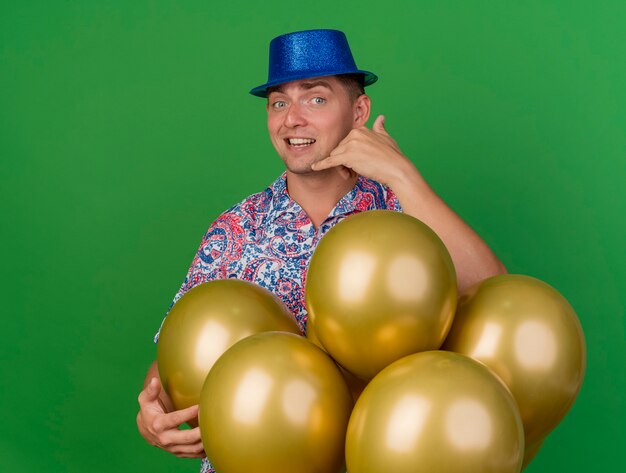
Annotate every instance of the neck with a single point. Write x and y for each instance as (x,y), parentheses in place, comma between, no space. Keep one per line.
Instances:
(318,192)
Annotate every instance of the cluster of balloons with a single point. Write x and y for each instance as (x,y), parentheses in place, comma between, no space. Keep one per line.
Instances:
(206,322)
(270,400)
(397,372)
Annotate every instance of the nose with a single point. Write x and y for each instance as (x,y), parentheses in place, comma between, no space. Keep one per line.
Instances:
(295,116)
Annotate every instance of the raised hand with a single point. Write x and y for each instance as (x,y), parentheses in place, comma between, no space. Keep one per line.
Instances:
(370,153)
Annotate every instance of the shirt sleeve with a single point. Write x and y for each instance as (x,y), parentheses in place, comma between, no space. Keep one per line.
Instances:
(220,245)
(206,467)
(391,200)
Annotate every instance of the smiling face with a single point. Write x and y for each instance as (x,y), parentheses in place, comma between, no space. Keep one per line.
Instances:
(307,119)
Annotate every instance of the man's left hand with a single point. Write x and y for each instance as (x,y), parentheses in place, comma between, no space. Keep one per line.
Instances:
(371,153)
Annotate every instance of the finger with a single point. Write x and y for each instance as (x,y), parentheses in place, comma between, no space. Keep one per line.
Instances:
(201,455)
(174,438)
(325,163)
(192,455)
(195,448)
(340,148)
(356,134)
(175,419)
(194,451)
(150,393)
(379,125)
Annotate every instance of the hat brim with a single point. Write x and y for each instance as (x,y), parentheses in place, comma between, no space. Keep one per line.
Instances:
(261,91)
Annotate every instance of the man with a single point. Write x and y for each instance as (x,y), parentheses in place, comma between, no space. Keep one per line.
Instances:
(335,166)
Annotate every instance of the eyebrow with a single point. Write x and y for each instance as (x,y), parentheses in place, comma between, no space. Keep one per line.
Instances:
(304,85)
(310,85)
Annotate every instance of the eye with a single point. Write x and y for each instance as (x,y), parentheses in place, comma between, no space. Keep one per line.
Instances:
(279,104)
(318,100)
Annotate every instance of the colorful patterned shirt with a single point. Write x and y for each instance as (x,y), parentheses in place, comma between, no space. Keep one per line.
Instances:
(269,239)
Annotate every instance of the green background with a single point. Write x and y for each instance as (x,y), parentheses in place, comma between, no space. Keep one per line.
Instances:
(126,128)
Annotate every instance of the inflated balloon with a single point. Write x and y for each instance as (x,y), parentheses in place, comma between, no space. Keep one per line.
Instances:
(204,323)
(530,453)
(527,332)
(275,403)
(435,411)
(381,285)
(356,385)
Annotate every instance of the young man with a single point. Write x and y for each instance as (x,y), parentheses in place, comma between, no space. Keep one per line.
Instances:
(316,115)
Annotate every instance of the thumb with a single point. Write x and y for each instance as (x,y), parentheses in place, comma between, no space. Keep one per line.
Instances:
(379,125)
(153,389)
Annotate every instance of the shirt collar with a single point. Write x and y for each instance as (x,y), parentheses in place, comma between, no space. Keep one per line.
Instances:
(282,201)
(347,204)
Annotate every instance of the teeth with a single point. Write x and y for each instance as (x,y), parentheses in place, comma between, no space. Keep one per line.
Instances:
(301,141)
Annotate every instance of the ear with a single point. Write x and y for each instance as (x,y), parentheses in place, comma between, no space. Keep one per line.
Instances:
(362,107)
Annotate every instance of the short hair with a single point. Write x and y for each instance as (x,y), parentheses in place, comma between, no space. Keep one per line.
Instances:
(352,84)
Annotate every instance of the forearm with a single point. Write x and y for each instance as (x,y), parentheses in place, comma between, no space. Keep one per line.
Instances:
(472,258)
(374,154)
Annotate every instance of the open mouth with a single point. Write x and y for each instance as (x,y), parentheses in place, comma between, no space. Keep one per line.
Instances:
(299,142)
